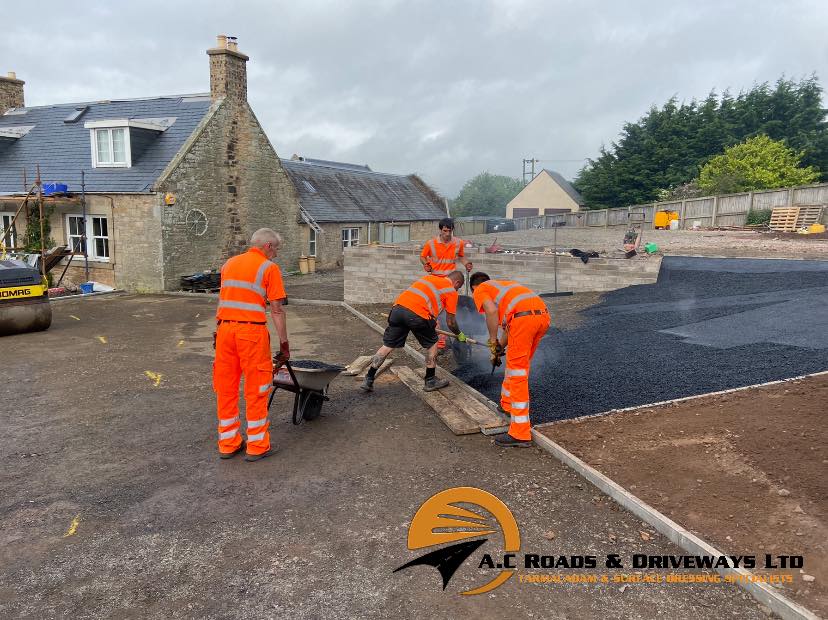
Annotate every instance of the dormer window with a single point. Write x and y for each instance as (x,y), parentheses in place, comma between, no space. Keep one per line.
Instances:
(111,148)
(118,143)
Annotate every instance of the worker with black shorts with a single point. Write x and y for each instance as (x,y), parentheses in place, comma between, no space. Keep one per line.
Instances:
(415,311)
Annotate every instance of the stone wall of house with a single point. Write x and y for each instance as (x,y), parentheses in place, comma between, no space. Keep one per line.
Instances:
(232,176)
(134,231)
(378,274)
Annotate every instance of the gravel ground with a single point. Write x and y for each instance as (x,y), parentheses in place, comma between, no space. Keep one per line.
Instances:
(319,285)
(113,503)
(708,324)
(729,243)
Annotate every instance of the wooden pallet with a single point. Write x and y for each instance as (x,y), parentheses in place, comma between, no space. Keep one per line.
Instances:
(808,214)
(784,219)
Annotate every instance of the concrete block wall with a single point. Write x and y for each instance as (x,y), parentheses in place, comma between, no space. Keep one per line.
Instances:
(375,274)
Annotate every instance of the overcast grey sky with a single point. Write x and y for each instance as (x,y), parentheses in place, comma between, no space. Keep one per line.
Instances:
(443,88)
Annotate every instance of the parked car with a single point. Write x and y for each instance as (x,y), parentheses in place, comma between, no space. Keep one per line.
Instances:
(504,225)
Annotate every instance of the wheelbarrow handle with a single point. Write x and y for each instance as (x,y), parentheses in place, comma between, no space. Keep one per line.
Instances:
(469,340)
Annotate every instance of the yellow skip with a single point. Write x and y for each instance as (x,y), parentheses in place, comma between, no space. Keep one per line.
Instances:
(154,376)
(73,527)
(75,317)
(102,339)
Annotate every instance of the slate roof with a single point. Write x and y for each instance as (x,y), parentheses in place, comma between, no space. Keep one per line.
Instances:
(566,186)
(64,149)
(332,193)
(331,164)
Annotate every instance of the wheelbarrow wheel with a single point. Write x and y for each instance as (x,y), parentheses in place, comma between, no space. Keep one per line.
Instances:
(308,406)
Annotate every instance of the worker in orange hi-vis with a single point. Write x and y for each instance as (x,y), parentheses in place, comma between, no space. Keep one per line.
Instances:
(522,318)
(242,344)
(441,254)
(415,310)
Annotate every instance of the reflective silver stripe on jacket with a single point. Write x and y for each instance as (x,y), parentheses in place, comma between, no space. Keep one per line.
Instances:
(256,423)
(519,405)
(516,301)
(516,372)
(436,292)
(520,419)
(264,388)
(502,290)
(427,299)
(505,392)
(228,421)
(241,305)
(229,434)
(256,437)
(242,284)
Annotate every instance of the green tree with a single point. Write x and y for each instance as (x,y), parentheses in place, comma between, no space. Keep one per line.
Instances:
(485,194)
(757,163)
(667,147)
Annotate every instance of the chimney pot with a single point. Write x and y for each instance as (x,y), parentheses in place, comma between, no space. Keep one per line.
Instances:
(221,41)
(12,75)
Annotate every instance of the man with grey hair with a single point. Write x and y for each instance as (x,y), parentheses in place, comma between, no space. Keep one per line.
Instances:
(242,344)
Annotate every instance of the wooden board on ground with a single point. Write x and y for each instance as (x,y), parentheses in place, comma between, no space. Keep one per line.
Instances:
(475,410)
(458,422)
(385,366)
(784,219)
(357,366)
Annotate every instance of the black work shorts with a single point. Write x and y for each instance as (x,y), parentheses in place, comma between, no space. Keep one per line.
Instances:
(401,321)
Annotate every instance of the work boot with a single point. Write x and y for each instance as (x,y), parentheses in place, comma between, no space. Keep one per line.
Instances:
(258,457)
(367,384)
(507,441)
(230,455)
(433,383)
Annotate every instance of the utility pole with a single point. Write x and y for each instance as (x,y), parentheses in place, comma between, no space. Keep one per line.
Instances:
(529,170)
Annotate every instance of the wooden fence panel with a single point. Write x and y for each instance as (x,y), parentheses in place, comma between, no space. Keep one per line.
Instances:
(811,195)
(729,205)
(771,199)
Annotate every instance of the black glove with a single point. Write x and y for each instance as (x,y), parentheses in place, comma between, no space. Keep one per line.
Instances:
(215,335)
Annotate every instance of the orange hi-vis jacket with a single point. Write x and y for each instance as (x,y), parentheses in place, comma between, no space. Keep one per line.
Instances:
(443,256)
(247,282)
(509,297)
(428,296)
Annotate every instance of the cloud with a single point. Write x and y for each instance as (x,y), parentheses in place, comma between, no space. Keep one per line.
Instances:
(445,89)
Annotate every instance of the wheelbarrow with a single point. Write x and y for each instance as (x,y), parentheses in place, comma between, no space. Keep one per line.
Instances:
(309,386)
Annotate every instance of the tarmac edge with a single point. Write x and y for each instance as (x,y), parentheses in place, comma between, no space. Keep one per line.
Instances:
(765,594)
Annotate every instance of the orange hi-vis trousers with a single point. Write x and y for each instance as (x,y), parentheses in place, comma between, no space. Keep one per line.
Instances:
(243,349)
(525,333)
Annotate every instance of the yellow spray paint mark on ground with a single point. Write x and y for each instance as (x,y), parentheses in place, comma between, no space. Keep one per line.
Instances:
(154,376)
(102,339)
(73,527)
(180,343)
(75,317)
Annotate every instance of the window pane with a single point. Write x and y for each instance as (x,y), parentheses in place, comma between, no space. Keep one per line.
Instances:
(99,227)
(102,248)
(118,146)
(102,138)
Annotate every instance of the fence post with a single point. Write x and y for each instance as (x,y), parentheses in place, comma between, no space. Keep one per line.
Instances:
(606,218)
(715,211)
(790,196)
(682,210)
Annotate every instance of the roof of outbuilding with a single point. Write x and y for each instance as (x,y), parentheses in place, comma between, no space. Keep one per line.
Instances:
(565,186)
(63,149)
(338,194)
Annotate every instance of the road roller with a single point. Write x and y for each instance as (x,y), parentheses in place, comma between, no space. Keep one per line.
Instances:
(24,299)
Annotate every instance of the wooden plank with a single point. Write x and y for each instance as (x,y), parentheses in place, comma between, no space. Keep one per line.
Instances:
(458,422)
(473,409)
(385,366)
(784,219)
(357,366)
(808,214)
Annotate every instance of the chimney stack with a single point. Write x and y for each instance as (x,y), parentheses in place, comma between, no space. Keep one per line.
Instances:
(11,92)
(228,69)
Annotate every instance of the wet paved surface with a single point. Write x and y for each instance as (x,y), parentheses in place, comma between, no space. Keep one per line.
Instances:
(708,324)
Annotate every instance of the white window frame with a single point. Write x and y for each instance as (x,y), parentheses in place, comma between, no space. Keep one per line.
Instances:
(12,232)
(89,230)
(388,230)
(312,241)
(350,237)
(96,163)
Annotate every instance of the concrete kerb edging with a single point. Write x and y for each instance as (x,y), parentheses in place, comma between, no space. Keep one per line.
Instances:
(691,543)
(443,373)
(673,401)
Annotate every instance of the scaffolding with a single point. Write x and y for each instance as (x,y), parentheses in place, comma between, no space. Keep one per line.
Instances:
(48,258)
